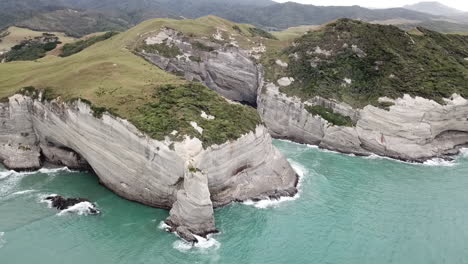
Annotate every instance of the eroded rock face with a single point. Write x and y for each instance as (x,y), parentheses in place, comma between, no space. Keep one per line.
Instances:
(414,129)
(18,142)
(63,156)
(148,171)
(227,69)
(193,205)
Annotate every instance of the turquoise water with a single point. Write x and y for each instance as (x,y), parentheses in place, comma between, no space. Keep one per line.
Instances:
(350,210)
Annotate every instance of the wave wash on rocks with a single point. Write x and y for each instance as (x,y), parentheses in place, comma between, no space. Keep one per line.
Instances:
(180,176)
(412,129)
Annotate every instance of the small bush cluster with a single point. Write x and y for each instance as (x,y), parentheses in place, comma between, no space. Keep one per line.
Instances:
(75,47)
(32,49)
(384,105)
(237,29)
(200,46)
(329,115)
(161,49)
(257,32)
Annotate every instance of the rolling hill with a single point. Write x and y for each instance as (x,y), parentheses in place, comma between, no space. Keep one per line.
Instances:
(81,17)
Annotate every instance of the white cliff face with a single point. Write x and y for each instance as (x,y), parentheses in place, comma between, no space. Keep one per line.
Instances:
(286,117)
(141,169)
(18,144)
(414,129)
(230,71)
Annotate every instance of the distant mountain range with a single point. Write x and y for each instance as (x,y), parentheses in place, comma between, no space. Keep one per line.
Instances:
(434,8)
(81,17)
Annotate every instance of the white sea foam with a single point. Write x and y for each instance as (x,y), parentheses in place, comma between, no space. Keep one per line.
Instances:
(464,152)
(203,244)
(440,162)
(432,162)
(436,162)
(269,203)
(10,179)
(23,192)
(83,208)
(164,226)
(5,174)
(53,170)
(2,239)
(42,199)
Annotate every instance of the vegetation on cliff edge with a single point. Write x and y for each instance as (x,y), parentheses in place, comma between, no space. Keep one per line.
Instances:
(175,107)
(357,63)
(329,115)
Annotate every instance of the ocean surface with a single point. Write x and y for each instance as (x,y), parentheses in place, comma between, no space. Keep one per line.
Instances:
(349,210)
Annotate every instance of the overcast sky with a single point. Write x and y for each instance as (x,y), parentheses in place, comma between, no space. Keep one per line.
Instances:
(459,4)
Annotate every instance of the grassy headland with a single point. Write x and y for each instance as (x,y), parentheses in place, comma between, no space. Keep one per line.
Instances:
(110,76)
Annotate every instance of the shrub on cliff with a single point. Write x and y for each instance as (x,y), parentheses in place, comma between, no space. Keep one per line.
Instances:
(357,62)
(175,107)
(73,48)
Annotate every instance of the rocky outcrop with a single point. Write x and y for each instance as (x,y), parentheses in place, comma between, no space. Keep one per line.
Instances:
(227,69)
(62,203)
(179,175)
(413,129)
(193,205)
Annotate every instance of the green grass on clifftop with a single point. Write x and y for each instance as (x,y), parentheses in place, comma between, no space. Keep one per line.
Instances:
(110,77)
(357,63)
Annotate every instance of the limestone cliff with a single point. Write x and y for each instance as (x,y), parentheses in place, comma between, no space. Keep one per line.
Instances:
(413,129)
(225,68)
(183,176)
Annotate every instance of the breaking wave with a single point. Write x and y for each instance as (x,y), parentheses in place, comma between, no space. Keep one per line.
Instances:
(464,152)
(440,162)
(83,208)
(10,179)
(42,199)
(164,226)
(53,170)
(203,244)
(5,174)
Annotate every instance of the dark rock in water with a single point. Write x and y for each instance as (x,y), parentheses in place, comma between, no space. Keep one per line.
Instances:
(62,203)
(186,235)
(182,231)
